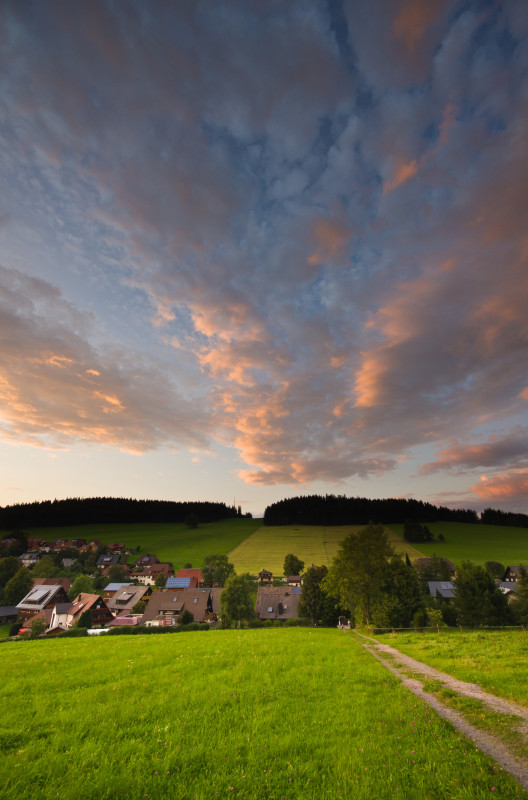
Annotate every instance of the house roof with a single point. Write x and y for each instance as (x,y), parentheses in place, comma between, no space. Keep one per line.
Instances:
(62,608)
(190,572)
(115,587)
(64,582)
(108,559)
(514,571)
(84,602)
(277,605)
(181,583)
(193,600)
(8,611)
(507,587)
(444,589)
(126,598)
(38,597)
(125,619)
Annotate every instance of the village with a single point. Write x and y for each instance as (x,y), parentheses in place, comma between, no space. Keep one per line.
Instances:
(151,593)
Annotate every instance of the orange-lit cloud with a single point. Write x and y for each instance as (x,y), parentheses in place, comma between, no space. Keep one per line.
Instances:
(413,19)
(502,488)
(402,172)
(331,237)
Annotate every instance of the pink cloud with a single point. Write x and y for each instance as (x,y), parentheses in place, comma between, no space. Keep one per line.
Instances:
(503,488)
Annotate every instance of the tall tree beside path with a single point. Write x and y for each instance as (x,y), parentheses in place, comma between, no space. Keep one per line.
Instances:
(315,603)
(357,572)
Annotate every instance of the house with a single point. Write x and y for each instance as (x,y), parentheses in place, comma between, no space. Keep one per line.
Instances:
(35,543)
(60,618)
(64,582)
(512,574)
(125,619)
(78,543)
(30,559)
(294,580)
(423,563)
(277,602)
(442,589)
(60,544)
(174,584)
(164,608)
(39,598)
(8,614)
(265,576)
(149,574)
(116,547)
(108,560)
(146,561)
(127,597)
(110,590)
(67,563)
(101,614)
(191,573)
(507,587)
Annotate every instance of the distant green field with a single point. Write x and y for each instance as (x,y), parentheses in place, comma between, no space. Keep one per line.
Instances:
(267,547)
(477,543)
(496,660)
(280,714)
(173,542)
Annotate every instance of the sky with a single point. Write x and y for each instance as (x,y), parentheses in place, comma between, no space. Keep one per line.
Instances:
(257,249)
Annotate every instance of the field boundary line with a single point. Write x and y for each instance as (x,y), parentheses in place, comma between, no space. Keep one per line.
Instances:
(489,744)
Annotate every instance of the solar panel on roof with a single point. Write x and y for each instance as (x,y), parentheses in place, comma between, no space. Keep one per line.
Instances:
(178,583)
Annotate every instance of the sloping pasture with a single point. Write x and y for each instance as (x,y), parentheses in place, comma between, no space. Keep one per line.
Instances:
(267,547)
(173,542)
(477,543)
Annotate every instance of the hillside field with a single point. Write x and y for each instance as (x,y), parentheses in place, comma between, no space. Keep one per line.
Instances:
(477,543)
(281,714)
(173,542)
(313,544)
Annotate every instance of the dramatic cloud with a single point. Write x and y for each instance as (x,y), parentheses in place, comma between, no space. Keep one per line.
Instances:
(57,388)
(502,489)
(298,230)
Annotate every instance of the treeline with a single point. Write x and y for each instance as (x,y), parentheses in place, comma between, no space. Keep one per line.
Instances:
(96,510)
(491,516)
(340,510)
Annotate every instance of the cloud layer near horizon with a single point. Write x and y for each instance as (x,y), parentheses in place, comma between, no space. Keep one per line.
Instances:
(319,209)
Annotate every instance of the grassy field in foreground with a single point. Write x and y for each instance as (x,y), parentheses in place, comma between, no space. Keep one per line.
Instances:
(314,544)
(478,543)
(496,660)
(280,714)
(173,542)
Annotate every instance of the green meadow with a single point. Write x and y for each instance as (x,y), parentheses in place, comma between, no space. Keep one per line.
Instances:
(314,544)
(173,542)
(477,543)
(496,660)
(280,714)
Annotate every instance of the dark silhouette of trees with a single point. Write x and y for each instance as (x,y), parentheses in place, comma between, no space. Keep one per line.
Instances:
(491,516)
(340,510)
(95,510)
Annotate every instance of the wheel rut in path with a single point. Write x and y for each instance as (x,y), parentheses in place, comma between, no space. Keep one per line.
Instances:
(486,742)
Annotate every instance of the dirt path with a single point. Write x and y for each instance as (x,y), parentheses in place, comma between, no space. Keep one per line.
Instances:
(486,742)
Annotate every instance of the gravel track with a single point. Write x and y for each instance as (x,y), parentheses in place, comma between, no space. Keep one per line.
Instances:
(486,742)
